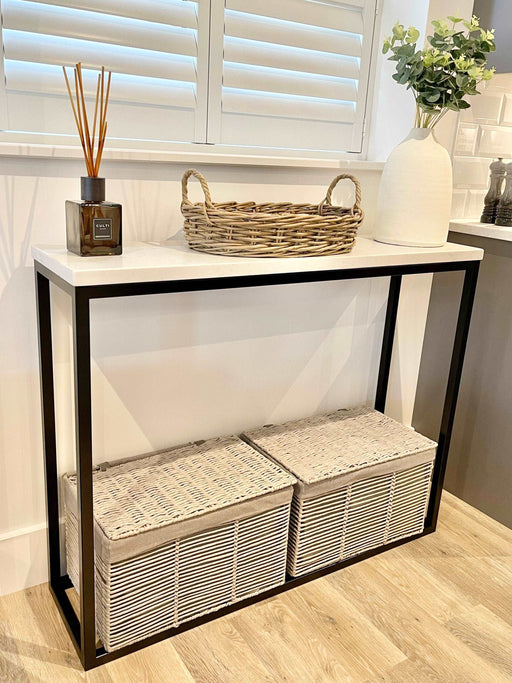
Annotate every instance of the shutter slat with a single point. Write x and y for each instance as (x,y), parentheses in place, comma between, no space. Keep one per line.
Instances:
(282,57)
(125,121)
(172,12)
(327,15)
(31,47)
(100,28)
(263,104)
(45,79)
(274,80)
(263,29)
(302,135)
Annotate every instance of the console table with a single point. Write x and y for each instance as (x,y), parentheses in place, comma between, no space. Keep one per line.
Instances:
(151,268)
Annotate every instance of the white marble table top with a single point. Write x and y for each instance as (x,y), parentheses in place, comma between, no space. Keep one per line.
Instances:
(173,260)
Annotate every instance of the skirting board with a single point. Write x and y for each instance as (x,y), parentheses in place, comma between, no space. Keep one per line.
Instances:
(23,558)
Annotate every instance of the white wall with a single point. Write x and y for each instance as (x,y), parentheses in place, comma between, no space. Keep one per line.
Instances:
(393,105)
(498,14)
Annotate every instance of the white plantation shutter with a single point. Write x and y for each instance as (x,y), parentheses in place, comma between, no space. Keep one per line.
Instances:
(290,73)
(280,74)
(157,49)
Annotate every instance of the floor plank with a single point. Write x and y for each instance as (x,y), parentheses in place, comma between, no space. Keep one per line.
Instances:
(486,634)
(441,600)
(437,609)
(290,650)
(352,637)
(218,652)
(425,641)
(483,580)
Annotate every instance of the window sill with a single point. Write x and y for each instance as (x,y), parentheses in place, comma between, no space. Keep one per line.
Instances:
(168,153)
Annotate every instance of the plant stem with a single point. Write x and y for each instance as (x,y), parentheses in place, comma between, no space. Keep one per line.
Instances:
(424,119)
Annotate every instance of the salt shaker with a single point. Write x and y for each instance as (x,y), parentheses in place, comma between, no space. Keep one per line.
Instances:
(504,214)
(493,195)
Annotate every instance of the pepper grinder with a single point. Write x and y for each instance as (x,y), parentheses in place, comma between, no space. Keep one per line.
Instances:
(493,195)
(504,215)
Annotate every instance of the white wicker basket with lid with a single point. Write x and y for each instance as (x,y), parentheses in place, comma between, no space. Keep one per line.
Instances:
(363,481)
(180,533)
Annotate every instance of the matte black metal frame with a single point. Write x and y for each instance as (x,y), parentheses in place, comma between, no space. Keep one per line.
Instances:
(82,629)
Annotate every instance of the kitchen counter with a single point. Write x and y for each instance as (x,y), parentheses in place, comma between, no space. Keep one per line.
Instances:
(494,232)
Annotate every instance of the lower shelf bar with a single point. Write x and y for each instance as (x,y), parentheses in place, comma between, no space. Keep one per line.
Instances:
(102,656)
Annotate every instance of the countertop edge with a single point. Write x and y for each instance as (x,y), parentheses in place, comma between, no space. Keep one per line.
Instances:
(489,231)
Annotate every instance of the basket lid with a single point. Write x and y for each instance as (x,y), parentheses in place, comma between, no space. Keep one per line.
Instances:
(341,444)
(171,487)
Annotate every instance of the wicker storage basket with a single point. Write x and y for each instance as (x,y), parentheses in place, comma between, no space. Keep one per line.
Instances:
(363,481)
(181,533)
(250,229)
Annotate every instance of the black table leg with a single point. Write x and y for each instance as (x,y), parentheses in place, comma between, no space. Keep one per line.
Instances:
(452,391)
(83,420)
(387,342)
(58,584)
(48,417)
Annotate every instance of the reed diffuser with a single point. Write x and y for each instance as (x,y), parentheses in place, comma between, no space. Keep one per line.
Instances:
(93,225)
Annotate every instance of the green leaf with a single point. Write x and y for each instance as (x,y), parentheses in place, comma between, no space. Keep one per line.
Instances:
(413,34)
(454,20)
(399,31)
(462,80)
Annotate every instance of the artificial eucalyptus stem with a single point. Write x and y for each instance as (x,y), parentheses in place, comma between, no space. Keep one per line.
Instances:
(446,71)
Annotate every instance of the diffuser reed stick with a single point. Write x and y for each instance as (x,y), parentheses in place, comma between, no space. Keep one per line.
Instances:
(91,146)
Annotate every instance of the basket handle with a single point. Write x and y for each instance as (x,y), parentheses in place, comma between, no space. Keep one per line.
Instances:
(342,176)
(204,185)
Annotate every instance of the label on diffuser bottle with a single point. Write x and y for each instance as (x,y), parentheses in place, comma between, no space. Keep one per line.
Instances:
(102,228)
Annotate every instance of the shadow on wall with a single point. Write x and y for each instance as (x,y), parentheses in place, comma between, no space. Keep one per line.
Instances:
(212,363)
(13,255)
(20,444)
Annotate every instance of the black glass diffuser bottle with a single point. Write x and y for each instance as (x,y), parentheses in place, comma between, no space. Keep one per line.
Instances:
(93,226)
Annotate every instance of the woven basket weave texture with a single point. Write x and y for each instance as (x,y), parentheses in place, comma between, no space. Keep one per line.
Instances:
(326,446)
(185,482)
(181,533)
(185,578)
(270,229)
(363,481)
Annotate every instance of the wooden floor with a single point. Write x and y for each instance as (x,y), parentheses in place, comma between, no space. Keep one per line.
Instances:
(436,609)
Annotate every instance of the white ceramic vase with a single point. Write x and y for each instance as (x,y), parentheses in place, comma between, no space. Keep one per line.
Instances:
(415,193)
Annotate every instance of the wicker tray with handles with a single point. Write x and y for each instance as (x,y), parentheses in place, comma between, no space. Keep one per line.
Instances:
(272,229)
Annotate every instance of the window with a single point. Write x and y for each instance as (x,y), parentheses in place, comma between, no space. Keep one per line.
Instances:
(286,74)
